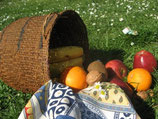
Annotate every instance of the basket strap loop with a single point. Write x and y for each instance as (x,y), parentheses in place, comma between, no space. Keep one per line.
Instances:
(22,32)
(47,21)
(47,26)
(42,34)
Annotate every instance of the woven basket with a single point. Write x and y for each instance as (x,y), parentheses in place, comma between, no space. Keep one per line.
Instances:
(24,46)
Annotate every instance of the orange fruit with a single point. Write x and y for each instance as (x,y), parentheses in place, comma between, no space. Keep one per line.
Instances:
(74,77)
(140,79)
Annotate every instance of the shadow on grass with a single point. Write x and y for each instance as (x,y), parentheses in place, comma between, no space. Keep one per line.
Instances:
(142,108)
(105,56)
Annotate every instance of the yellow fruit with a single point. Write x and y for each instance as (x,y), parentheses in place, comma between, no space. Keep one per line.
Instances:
(140,79)
(57,68)
(65,53)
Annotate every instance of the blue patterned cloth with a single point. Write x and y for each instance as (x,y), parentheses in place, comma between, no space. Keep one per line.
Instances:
(57,101)
(64,117)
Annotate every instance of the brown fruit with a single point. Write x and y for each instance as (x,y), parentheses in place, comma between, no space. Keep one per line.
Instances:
(95,76)
(150,92)
(98,66)
(142,94)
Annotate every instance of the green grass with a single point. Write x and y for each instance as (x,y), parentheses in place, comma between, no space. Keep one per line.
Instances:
(105,20)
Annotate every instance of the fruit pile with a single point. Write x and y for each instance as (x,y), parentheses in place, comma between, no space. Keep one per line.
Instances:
(63,57)
(66,64)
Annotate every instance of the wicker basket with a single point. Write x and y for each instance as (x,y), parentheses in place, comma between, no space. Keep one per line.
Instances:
(24,46)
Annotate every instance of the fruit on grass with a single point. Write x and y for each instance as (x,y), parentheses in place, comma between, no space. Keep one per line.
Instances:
(145,94)
(146,60)
(95,76)
(116,68)
(98,66)
(150,92)
(65,53)
(142,94)
(127,89)
(140,79)
(74,77)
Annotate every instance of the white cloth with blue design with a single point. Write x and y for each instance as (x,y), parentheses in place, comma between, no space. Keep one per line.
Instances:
(57,101)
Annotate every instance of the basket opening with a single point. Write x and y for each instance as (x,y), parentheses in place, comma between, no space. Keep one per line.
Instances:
(68,30)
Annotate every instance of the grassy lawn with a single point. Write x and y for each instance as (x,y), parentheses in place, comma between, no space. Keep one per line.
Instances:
(105,20)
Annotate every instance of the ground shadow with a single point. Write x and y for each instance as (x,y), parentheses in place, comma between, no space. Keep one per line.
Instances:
(142,108)
(105,56)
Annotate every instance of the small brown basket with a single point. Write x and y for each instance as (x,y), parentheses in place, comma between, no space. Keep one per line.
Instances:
(25,43)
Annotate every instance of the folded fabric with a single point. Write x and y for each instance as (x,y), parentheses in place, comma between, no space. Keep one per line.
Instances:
(100,101)
(64,117)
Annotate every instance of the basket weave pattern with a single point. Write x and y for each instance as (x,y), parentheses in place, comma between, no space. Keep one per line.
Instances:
(24,52)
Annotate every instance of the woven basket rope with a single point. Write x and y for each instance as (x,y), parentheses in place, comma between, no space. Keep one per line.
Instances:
(25,42)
